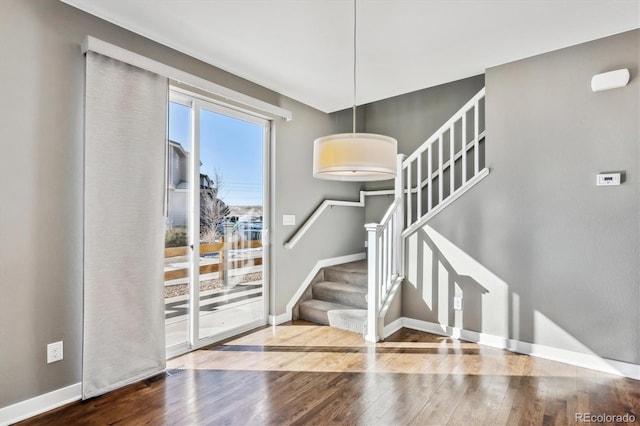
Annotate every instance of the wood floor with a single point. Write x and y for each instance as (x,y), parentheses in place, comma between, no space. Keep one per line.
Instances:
(303,374)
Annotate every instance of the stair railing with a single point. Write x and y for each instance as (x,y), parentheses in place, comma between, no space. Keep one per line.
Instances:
(385,261)
(418,199)
(452,164)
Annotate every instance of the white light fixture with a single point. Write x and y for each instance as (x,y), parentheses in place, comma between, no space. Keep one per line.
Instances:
(610,80)
(355,156)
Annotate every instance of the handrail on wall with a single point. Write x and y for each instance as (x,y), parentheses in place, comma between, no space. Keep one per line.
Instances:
(324,206)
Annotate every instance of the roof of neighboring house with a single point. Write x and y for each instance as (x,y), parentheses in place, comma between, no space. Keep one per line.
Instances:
(178,147)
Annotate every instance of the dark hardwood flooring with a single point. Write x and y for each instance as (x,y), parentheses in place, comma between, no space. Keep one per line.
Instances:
(303,374)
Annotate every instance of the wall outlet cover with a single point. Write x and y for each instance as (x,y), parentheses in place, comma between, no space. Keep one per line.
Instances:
(288,220)
(457,303)
(54,352)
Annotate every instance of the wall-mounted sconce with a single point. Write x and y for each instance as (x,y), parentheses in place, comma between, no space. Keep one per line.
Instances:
(610,80)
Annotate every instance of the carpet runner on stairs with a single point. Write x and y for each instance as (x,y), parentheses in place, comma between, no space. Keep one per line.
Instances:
(339,299)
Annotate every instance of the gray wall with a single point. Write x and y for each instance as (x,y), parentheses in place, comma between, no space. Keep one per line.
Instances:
(339,231)
(539,253)
(41,112)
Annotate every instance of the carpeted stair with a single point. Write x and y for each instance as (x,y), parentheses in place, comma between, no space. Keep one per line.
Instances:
(338,297)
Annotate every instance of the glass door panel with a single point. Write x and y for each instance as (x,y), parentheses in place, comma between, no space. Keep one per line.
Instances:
(214,259)
(231,290)
(177,254)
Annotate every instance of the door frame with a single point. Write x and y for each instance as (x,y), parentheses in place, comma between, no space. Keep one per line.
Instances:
(197,102)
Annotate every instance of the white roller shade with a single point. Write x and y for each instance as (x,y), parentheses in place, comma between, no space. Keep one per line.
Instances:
(125,140)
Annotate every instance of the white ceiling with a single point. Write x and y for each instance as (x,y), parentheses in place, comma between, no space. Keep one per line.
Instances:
(304,48)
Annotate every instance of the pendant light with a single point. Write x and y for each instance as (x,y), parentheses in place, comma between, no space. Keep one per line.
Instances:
(355,156)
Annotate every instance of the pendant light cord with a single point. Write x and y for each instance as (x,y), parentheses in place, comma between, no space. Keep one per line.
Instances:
(355,20)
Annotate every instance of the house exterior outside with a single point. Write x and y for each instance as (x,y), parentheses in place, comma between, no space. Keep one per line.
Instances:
(212,209)
(177,186)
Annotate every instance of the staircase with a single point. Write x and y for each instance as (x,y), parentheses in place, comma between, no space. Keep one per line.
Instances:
(338,297)
(356,296)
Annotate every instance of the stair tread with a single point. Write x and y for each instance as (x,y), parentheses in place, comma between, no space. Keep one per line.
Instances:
(357,267)
(323,305)
(354,273)
(350,288)
(344,294)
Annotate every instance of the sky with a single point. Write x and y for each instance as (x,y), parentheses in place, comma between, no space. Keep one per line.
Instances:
(231,146)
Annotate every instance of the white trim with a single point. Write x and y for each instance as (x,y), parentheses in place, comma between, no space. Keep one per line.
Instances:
(279,319)
(330,203)
(578,359)
(39,404)
(288,315)
(447,164)
(393,327)
(471,103)
(446,202)
(102,47)
(316,215)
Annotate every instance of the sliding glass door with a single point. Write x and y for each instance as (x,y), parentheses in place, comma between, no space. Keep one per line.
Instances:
(216,190)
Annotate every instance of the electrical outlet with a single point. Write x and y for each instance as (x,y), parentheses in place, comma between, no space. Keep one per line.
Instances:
(457,303)
(54,352)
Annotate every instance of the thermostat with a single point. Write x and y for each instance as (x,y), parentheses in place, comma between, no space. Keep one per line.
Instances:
(608,179)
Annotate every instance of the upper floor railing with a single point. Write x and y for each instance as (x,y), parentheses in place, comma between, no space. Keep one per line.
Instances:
(438,170)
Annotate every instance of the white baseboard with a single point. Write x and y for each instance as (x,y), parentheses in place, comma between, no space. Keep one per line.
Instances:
(279,319)
(394,326)
(578,359)
(31,407)
(305,283)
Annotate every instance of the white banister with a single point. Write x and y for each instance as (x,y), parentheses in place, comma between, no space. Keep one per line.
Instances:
(440,177)
(328,204)
(411,227)
(452,154)
(463,143)
(383,265)
(429,179)
(399,217)
(476,137)
(409,209)
(447,163)
(472,104)
(373,300)
(419,192)
(385,240)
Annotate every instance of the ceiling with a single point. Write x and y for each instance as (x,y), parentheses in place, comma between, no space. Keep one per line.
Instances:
(304,48)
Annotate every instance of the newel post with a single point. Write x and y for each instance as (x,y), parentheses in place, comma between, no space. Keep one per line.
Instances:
(373,297)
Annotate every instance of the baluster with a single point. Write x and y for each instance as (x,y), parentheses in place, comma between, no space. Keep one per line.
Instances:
(380,266)
(440,174)
(452,159)
(429,177)
(385,249)
(409,212)
(392,239)
(463,138)
(387,270)
(398,216)
(476,138)
(419,195)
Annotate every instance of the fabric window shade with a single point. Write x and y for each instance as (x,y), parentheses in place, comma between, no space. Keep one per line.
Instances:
(124,170)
